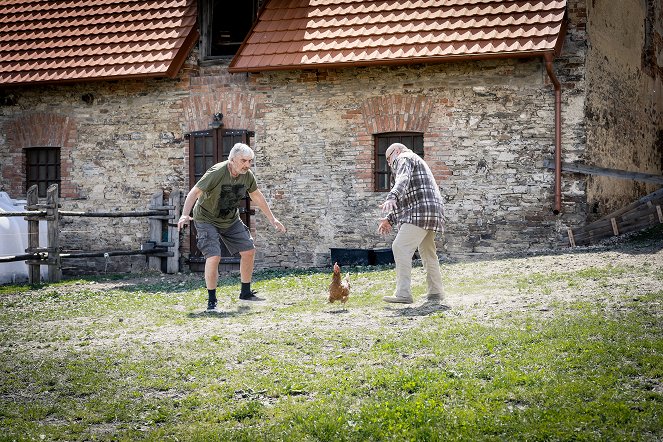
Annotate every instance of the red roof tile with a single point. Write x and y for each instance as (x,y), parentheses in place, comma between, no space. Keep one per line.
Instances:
(66,40)
(299,34)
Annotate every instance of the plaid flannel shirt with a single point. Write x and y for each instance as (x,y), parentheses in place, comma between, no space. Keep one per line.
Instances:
(418,199)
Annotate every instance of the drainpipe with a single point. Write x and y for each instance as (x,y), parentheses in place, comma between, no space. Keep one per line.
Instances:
(557,208)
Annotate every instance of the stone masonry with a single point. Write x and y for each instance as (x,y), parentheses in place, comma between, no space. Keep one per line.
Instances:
(487,126)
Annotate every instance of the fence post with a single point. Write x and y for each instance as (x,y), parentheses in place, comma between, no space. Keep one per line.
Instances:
(173,262)
(154,262)
(34,276)
(53,223)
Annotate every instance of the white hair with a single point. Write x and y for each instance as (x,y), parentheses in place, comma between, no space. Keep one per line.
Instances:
(241,150)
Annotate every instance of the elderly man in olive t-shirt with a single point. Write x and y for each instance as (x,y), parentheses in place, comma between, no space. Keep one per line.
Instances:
(214,200)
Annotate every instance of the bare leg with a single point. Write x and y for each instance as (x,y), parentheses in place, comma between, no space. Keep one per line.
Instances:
(212,272)
(246,262)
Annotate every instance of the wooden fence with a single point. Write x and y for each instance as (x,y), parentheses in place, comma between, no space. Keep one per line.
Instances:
(641,214)
(162,249)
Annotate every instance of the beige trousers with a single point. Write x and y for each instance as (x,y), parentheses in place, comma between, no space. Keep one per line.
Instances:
(408,239)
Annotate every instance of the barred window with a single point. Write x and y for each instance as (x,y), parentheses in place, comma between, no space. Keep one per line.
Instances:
(412,140)
(42,168)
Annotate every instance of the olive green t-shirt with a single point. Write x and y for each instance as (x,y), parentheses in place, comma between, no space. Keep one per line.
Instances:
(221,195)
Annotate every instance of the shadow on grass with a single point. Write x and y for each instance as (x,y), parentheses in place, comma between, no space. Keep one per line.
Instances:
(221,314)
(425,309)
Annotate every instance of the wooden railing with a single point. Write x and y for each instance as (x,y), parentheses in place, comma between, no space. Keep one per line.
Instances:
(162,249)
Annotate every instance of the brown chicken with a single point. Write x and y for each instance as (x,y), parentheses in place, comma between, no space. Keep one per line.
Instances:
(339,290)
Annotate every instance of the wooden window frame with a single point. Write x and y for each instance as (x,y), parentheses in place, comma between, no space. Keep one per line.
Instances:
(382,172)
(208,26)
(43,168)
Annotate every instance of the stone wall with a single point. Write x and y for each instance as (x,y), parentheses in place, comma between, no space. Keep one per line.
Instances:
(116,151)
(624,99)
(487,125)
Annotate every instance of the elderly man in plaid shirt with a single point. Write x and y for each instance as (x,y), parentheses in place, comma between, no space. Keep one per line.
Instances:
(414,205)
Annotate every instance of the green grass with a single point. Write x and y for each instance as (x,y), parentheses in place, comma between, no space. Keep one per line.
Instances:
(137,359)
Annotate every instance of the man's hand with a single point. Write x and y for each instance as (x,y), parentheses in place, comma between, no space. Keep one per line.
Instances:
(278,226)
(384,228)
(388,206)
(183,222)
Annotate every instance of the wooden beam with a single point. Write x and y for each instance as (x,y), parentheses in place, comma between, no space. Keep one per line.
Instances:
(53,228)
(603,171)
(34,273)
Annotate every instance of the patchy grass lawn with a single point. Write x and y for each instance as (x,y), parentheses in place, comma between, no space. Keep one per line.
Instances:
(550,347)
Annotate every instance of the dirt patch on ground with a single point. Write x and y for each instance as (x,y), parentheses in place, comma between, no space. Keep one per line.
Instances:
(482,288)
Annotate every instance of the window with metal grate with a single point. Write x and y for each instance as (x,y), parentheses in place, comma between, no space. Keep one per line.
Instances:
(42,168)
(383,175)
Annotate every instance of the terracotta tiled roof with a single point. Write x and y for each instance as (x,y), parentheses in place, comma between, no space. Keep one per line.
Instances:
(65,40)
(296,34)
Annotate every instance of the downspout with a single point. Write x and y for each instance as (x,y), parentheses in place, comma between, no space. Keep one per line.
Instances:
(557,208)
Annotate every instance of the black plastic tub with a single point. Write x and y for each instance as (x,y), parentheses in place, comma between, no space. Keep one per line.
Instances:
(361,257)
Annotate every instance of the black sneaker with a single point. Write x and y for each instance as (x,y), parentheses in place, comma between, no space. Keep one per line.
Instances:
(251,297)
(211,306)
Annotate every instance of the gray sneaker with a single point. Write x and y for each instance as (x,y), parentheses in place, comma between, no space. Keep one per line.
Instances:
(397,299)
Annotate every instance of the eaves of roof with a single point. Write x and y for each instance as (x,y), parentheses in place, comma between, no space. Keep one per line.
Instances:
(79,40)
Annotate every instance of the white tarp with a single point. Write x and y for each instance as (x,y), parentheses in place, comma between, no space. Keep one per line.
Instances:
(14,240)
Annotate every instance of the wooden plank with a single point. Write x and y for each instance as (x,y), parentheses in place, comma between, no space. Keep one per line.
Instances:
(68,255)
(154,262)
(25,214)
(615,230)
(592,233)
(13,258)
(156,213)
(571,239)
(173,261)
(604,171)
(653,197)
(34,273)
(53,226)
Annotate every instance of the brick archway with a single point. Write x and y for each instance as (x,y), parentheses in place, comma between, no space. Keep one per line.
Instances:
(399,113)
(40,130)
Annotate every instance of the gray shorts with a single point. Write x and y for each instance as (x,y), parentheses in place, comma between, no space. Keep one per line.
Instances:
(236,238)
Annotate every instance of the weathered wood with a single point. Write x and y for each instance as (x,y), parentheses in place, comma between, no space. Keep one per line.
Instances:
(53,224)
(163,255)
(155,252)
(34,273)
(36,214)
(604,171)
(156,235)
(641,214)
(13,258)
(613,223)
(572,241)
(155,213)
(173,262)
